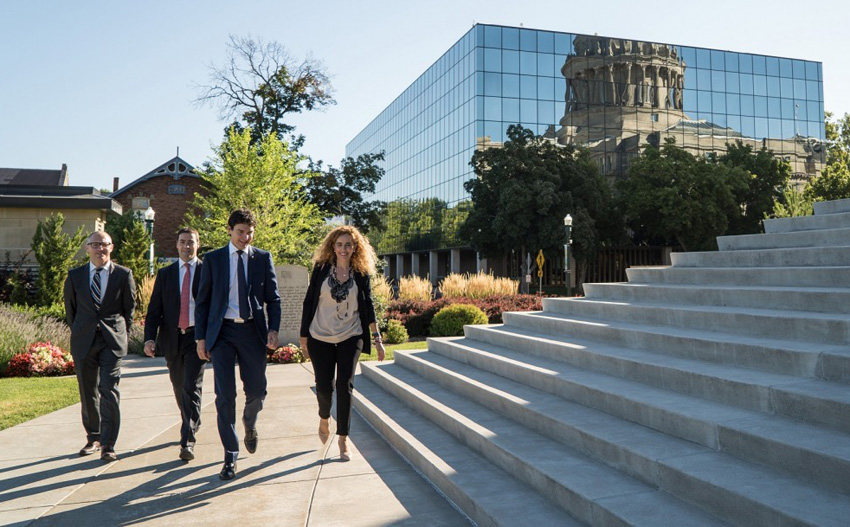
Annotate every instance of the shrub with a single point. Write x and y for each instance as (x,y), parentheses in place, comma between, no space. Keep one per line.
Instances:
(285,355)
(136,338)
(414,288)
(449,321)
(396,334)
(56,252)
(41,359)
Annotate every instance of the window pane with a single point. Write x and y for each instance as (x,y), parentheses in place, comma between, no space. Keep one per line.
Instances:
(492,59)
(733,104)
(745,62)
(510,61)
(527,40)
(492,37)
(545,88)
(731,61)
(732,81)
(718,102)
(772,66)
(510,85)
(760,84)
(510,110)
(528,87)
(545,42)
(493,84)
(493,108)
(528,112)
(546,112)
(510,38)
(759,65)
(528,63)
(546,65)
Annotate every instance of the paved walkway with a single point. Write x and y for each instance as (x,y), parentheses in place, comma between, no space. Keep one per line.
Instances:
(292,479)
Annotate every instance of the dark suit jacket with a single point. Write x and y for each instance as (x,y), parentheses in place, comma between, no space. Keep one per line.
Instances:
(115,317)
(164,308)
(365,306)
(214,288)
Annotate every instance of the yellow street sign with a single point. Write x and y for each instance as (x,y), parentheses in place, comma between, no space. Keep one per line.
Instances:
(540,273)
(540,260)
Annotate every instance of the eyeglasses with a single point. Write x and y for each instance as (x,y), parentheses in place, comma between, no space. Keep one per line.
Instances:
(98,245)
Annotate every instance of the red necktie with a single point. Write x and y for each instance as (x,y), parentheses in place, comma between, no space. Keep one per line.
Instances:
(183,323)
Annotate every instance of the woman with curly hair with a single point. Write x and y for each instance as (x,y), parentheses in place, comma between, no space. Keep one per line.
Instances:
(336,323)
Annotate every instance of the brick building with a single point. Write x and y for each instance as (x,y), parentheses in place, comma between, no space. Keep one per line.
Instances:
(167,189)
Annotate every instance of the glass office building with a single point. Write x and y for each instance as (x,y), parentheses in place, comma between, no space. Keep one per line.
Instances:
(611,95)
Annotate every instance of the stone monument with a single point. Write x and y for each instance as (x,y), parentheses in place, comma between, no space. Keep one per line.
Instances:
(292,284)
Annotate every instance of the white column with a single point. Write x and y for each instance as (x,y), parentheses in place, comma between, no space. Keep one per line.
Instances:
(399,266)
(433,267)
(454,266)
(414,264)
(481,263)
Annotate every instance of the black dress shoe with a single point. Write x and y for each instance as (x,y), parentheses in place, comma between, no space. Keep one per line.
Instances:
(228,471)
(187,453)
(90,448)
(108,455)
(251,440)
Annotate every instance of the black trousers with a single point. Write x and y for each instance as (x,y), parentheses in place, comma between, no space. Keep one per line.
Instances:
(97,376)
(342,358)
(186,371)
(238,343)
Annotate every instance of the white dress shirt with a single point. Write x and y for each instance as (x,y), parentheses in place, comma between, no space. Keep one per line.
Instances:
(233,296)
(193,266)
(104,277)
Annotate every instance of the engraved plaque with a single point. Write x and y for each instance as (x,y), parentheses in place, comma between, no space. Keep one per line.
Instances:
(292,286)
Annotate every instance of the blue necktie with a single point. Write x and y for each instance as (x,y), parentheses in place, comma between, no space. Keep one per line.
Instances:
(242,287)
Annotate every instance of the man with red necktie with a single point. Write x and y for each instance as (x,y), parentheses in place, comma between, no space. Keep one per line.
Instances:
(170,329)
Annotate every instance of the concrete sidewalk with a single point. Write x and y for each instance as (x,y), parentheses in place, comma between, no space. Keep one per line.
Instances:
(292,479)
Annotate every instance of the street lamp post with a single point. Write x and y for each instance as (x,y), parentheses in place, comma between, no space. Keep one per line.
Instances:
(568,226)
(149,216)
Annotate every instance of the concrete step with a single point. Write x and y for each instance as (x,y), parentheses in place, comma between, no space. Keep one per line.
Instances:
(839,220)
(817,300)
(793,257)
(814,401)
(630,447)
(588,490)
(484,492)
(744,276)
(820,238)
(832,207)
(806,326)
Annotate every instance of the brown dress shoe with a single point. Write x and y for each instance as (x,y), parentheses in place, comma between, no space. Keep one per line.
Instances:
(90,448)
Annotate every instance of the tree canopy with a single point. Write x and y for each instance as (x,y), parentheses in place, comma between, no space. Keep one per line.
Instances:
(264,178)
(524,189)
(834,181)
(339,191)
(262,85)
(672,195)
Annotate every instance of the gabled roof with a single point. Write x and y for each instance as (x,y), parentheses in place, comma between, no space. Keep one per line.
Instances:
(176,167)
(34,177)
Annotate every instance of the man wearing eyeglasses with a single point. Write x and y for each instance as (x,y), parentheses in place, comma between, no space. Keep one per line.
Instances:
(99,303)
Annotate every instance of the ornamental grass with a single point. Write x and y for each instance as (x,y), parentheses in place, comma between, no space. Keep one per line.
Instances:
(414,288)
(479,285)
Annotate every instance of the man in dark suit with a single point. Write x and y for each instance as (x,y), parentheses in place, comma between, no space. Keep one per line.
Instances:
(99,303)
(237,281)
(170,328)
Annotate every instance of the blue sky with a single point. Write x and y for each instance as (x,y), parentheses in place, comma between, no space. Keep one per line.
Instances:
(107,86)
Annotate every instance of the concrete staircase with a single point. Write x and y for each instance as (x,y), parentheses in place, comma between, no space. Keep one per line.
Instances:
(715,391)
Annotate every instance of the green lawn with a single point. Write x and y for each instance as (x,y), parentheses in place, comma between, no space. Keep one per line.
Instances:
(415,345)
(22,399)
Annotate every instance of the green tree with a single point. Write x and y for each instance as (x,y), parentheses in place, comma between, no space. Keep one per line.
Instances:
(339,191)
(523,190)
(792,203)
(261,86)
(265,179)
(117,226)
(56,253)
(769,175)
(672,195)
(134,251)
(834,181)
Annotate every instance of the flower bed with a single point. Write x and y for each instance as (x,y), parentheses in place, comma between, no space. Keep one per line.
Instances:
(41,359)
(285,355)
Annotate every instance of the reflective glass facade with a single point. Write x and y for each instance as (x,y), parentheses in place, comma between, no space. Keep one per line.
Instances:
(612,95)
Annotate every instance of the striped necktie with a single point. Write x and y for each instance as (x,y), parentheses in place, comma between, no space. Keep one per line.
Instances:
(95,288)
